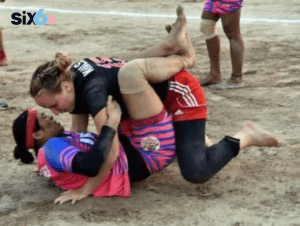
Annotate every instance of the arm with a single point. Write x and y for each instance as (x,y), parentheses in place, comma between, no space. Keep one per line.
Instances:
(92,182)
(100,119)
(80,123)
(114,116)
(89,163)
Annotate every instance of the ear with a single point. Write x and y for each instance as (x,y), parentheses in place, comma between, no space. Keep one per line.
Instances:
(38,135)
(67,86)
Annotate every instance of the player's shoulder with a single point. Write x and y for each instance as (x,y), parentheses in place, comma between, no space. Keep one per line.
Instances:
(83,68)
(56,142)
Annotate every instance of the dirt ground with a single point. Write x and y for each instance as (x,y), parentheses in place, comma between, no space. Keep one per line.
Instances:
(259,187)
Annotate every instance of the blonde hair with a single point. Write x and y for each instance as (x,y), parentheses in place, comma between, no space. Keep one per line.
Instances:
(50,75)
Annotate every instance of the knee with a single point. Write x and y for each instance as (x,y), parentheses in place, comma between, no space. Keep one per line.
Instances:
(131,77)
(208,28)
(196,177)
(230,34)
(130,70)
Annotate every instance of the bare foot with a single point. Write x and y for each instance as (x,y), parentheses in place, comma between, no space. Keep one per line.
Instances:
(178,42)
(210,80)
(3,62)
(235,82)
(260,137)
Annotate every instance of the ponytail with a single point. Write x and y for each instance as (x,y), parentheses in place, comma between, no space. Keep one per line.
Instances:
(50,75)
(63,61)
(23,154)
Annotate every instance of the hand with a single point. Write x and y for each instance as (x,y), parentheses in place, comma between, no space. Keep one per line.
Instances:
(71,195)
(114,113)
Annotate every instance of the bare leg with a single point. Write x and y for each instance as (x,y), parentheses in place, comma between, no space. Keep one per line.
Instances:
(159,69)
(3,59)
(176,43)
(252,135)
(231,26)
(213,47)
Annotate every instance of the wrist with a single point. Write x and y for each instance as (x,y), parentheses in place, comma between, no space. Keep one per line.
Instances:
(112,123)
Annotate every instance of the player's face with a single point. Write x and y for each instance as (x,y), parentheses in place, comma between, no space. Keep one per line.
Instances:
(57,102)
(48,126)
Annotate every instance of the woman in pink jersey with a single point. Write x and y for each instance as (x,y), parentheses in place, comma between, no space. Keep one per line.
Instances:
(229,11)
(61,154)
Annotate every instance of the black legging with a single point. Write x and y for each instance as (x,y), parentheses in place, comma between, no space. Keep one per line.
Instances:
(197,163)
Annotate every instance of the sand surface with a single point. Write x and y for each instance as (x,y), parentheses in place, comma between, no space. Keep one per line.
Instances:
(259,187)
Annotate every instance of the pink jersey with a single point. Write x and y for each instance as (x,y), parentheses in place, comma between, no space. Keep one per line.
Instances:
(57,165)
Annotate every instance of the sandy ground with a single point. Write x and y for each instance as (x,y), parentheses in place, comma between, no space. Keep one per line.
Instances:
(260,187)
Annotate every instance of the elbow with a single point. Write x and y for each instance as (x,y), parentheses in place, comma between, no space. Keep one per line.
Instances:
(92,172)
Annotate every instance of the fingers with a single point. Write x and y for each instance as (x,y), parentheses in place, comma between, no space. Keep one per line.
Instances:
(65,197)
(109,100)
(112,104)
(62,199)
(71,195)
(117,105)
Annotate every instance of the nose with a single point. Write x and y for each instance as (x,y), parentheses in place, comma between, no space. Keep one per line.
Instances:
(50,118)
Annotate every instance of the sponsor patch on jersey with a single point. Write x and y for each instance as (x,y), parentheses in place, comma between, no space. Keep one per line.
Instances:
(150,143)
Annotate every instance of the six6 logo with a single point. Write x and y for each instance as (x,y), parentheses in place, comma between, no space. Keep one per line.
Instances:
(28,18)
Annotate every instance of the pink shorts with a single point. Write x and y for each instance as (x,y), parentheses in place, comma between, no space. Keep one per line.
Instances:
(222,6)
(153,138)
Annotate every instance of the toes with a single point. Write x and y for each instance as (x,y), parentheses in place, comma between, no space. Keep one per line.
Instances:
(280,141)
(179,10)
